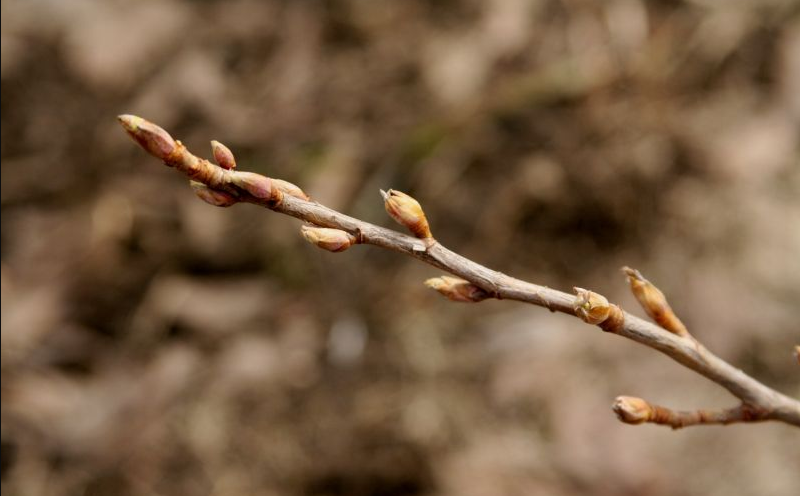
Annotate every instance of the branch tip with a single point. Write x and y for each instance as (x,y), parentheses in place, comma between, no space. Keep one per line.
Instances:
(632,410)
(155,140)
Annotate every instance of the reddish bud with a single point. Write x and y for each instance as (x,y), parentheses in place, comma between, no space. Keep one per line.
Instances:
(213,196)
(632,410)
(255,184)
(457,289)
(223,155)
(290,189)
(152,138)
(406,211)
(334,240)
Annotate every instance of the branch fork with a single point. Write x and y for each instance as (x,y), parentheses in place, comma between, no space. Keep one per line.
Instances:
(221,185)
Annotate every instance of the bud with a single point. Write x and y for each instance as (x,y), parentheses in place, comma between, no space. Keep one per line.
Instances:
(591,307)
(457,289)
(152,138)
(654,302)
(406,211)
(290,189)
(255,184)
(632,410)
(222,155)
(213,196)
(334,240)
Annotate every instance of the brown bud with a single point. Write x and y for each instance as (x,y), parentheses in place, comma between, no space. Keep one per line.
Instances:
(457,289)
(591,307)
(334,240)
(288,188)
(255,184)
(632,410)
(654,302)
(213,196)
(152,138)
(222,155)
(406,211)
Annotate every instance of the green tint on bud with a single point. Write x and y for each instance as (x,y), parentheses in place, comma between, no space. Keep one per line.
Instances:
(406,211)
(222,155)
(290,189)
(255,184)
(591,307)
(457,289)
(213,196)
(334,240)
(152,138)
(632,410)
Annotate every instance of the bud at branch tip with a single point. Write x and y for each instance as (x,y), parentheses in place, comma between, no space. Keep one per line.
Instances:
(632,410)
(152,138)
(457,289)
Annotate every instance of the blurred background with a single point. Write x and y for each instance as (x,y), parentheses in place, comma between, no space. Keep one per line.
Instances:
(155,345)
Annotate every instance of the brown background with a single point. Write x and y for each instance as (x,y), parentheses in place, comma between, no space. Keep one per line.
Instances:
(155,345)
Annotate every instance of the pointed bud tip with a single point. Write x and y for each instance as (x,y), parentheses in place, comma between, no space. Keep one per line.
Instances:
(407,211)
(632,274)
(223,156)
(129,122)
(154,139)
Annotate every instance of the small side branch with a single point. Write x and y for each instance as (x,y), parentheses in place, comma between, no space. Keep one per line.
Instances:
(632,410)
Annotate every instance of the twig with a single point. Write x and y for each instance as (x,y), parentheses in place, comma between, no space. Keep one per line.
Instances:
(633,410)
(220,185)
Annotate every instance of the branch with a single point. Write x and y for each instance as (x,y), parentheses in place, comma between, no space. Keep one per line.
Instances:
(633,410)
(221,185)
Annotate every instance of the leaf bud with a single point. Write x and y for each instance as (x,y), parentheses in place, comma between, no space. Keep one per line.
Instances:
(213,196)
(653,301)
(290,189)
(457,289)
(591,307)
(406,211)
(255,184)
(334,240)
(223,155)
(152,138)
(632,410)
